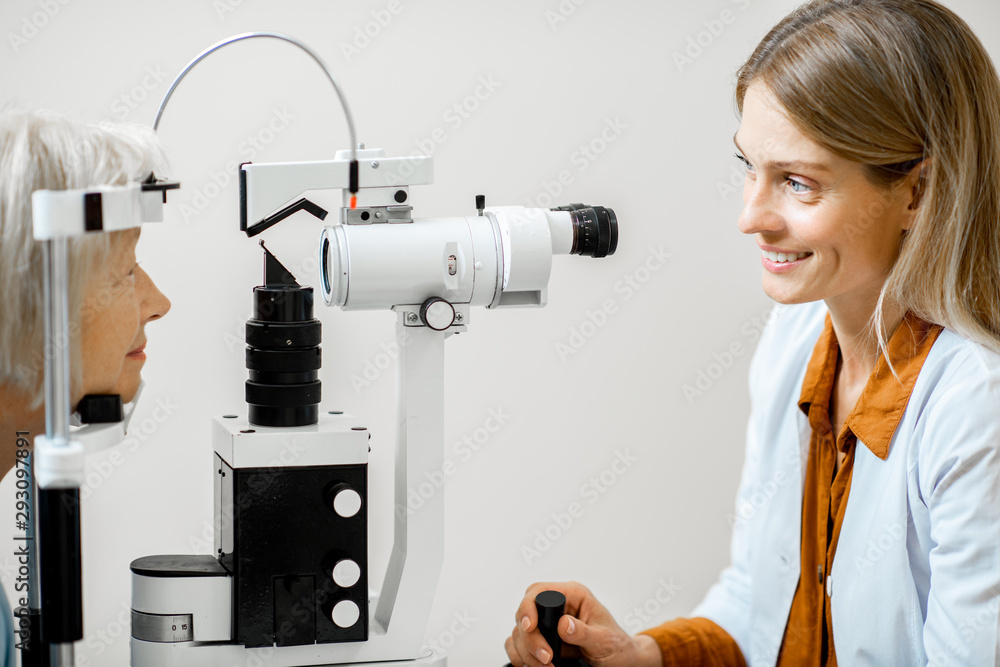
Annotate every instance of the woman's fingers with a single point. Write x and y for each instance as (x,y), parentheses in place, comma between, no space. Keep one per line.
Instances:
(526,616)
(585,628)
(573,631)
(591,640)
(526,643)
(527,649)
(512,654)
(601,641)
(577,595)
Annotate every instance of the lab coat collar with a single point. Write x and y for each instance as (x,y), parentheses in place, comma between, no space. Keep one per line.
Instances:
(883,400)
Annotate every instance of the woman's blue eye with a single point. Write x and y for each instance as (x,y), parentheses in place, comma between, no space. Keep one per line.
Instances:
(796,185)
(746,162)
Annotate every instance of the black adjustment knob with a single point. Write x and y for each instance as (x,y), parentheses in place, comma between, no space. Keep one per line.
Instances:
(480,203)
(551,605)
(437,313)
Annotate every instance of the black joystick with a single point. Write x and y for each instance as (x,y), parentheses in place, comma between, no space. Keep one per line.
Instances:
(551,605)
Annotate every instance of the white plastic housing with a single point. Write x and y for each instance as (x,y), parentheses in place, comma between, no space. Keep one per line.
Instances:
(61,213)
(502,258)
(58,464)
(333,441)
(270,186)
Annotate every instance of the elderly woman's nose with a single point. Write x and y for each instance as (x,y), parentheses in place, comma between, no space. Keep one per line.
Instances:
(154,304)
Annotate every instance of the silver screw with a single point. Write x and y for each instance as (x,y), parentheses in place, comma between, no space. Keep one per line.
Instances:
(411,317)
(378,214)
(458,317)
(375,164)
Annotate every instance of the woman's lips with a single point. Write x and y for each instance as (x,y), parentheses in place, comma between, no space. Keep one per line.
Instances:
(138,353)
(783,267)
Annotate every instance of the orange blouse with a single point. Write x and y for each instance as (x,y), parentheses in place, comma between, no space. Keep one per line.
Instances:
(809,631)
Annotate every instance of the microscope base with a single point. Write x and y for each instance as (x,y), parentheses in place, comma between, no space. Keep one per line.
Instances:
(433,660)
(151,654)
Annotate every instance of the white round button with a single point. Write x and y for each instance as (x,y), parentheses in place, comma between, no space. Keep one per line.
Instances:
(346,614)
(439,315)
(347,503)
(346,573)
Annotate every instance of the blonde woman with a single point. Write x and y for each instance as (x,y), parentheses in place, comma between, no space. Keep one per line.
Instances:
(870,133)
(111,297)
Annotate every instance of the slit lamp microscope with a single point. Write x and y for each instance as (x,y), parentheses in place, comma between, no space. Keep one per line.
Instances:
(289,583)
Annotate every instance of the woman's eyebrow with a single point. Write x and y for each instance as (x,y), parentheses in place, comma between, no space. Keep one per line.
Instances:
(788,165)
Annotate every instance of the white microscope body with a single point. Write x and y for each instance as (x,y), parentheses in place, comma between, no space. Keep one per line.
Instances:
(288,585)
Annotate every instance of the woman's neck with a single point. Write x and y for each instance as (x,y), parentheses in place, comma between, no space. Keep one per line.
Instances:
(859,350)
(18,419)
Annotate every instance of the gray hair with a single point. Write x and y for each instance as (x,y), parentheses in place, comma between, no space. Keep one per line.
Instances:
(45,151)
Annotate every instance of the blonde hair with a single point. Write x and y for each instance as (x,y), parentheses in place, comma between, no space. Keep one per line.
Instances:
(892,84)
(44,151)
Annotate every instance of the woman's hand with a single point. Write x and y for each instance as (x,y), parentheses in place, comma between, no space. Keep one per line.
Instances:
(587,626)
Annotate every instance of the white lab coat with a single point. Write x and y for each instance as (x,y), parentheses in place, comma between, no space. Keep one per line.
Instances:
(916,576)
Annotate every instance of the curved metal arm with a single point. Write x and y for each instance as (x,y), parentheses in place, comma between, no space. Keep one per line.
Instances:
(275,35)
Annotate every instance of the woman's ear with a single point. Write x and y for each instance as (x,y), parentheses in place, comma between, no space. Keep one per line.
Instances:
(916,181)
(913,188)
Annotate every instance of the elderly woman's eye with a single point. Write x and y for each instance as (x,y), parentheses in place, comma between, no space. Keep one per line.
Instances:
(120,278)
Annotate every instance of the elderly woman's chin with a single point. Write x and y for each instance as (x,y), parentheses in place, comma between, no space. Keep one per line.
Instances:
(131,376)
(126,386)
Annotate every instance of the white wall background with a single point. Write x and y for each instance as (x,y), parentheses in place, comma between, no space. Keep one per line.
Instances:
(649,544)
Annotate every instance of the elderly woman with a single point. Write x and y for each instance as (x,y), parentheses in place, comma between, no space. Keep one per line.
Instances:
(111,297)
(870,133)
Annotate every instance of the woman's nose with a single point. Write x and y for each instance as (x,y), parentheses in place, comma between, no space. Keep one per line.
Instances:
(153,303)
(759,212)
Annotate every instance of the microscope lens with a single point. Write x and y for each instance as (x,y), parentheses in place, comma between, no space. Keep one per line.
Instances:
(283,353)
(595,230)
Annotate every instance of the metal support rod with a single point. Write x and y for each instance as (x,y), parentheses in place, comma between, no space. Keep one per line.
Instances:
(60,570)
(57,410)
(62,654)
(268,35)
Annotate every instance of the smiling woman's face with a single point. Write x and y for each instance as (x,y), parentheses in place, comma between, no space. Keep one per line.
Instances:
(824,230)
(119,300)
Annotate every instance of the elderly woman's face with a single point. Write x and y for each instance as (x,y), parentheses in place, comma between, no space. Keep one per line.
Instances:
(119,300)
(824,230)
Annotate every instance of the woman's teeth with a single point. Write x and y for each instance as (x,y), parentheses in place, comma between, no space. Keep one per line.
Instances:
(782,257)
